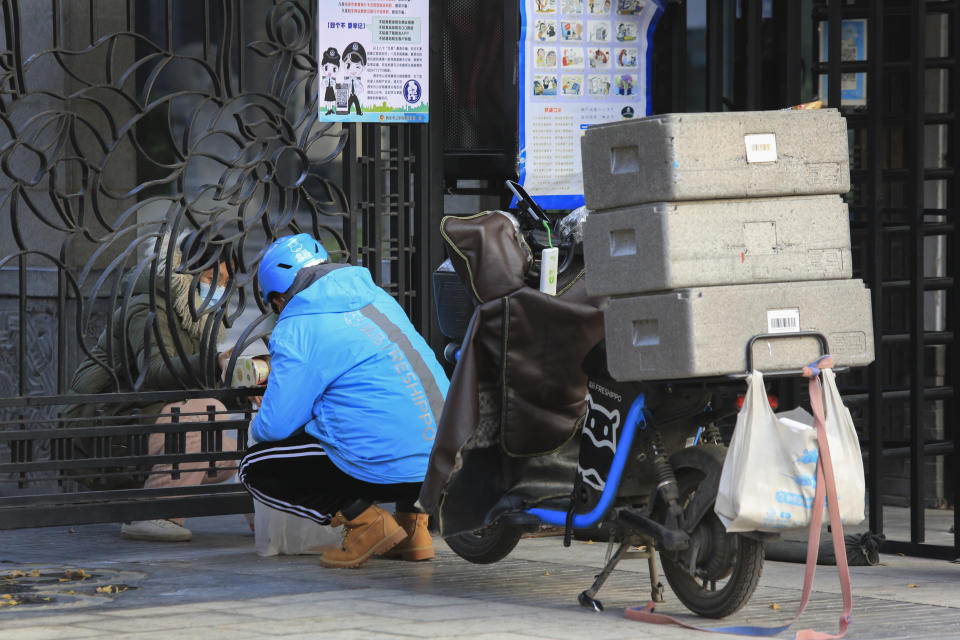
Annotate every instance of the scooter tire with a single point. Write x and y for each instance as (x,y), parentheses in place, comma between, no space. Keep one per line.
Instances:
(741,573)
(485,546)
(732,596)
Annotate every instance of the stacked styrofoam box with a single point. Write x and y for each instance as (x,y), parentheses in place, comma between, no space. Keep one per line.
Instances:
(709,229)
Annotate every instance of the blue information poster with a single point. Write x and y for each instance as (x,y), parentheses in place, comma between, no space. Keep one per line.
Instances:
(853,47)
(582,62)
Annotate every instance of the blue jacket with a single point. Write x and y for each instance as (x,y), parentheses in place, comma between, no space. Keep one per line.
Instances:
(348,367)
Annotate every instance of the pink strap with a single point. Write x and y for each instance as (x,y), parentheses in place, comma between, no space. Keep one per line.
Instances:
(826,487)
(825,469)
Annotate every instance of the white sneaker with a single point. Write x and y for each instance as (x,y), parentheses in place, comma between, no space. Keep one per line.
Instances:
(155,530)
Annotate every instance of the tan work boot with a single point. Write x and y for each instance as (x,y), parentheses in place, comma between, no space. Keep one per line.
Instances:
(372,532)
(419,542)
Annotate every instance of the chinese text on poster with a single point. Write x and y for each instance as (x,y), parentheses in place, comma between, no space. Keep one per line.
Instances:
(373,60)
(582,62)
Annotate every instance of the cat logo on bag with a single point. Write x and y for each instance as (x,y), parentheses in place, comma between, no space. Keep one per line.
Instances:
(600,429)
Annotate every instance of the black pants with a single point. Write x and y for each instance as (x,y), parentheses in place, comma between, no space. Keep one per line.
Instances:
(295,475)
(354,101)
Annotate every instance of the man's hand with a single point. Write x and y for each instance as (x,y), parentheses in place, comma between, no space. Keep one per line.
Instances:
(222,361)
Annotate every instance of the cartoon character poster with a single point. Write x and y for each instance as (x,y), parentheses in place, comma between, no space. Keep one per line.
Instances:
(582,62)
(373,61)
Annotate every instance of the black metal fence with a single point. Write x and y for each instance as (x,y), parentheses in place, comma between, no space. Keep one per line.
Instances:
(145,145)
(125,123)
(892,67)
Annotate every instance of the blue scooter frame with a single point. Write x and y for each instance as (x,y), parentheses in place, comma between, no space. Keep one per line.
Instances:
(582,521)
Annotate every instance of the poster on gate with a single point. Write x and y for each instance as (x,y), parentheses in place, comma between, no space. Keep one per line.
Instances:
(582,62)
(373,60)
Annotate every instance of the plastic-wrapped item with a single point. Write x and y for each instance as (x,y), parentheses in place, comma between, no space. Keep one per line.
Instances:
(570,227)
(251,371)
(281,533)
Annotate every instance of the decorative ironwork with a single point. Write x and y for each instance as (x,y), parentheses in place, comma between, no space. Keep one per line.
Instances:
(145,144)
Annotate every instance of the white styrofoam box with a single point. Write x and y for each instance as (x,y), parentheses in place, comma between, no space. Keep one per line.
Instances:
(704,331)
(662,246)
(704,156)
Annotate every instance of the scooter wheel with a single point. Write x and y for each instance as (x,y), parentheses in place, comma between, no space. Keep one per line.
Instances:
(718,598)
(485,546)
(725,567)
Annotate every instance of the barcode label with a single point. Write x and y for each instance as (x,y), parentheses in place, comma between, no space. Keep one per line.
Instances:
(761,147)
(783,321)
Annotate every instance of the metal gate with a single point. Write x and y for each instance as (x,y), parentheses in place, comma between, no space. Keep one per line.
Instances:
(892,67)
(896,79)
(131,130)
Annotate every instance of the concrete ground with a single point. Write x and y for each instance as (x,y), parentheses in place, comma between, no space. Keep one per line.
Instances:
(217,587)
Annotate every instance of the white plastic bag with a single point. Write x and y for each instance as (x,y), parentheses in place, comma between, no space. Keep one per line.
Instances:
(279,532)
(768,481)
(844,452)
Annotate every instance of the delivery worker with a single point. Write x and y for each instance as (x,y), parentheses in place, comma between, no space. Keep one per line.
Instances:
(350,410)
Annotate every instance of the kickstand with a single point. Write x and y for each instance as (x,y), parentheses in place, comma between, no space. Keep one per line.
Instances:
(586,598)
(656,587)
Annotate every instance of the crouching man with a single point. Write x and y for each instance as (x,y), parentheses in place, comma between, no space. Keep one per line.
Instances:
(349,414)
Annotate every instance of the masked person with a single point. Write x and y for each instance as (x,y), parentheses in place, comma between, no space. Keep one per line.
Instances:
(349,414)
(142,334)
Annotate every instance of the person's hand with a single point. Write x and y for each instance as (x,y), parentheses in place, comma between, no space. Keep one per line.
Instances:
(222,359)
(257,400)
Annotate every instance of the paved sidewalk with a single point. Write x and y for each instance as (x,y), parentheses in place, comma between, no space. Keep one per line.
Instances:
(217,587)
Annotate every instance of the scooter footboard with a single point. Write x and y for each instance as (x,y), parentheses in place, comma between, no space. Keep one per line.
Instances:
(489,486)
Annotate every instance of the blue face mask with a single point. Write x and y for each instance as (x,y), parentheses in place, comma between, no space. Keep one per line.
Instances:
(217,293)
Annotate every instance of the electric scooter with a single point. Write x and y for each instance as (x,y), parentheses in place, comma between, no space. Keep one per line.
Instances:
(643,471)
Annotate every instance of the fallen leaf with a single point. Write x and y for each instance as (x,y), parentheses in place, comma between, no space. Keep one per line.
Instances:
(111,589)
(775,606)
(902,555)
(912,586)
(71,592)
(7,596)
(63,579)
(35,573)
(546,573)
(8,603)
(76,574)
(16,574)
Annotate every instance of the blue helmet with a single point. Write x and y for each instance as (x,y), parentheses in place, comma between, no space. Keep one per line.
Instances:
(284,258)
